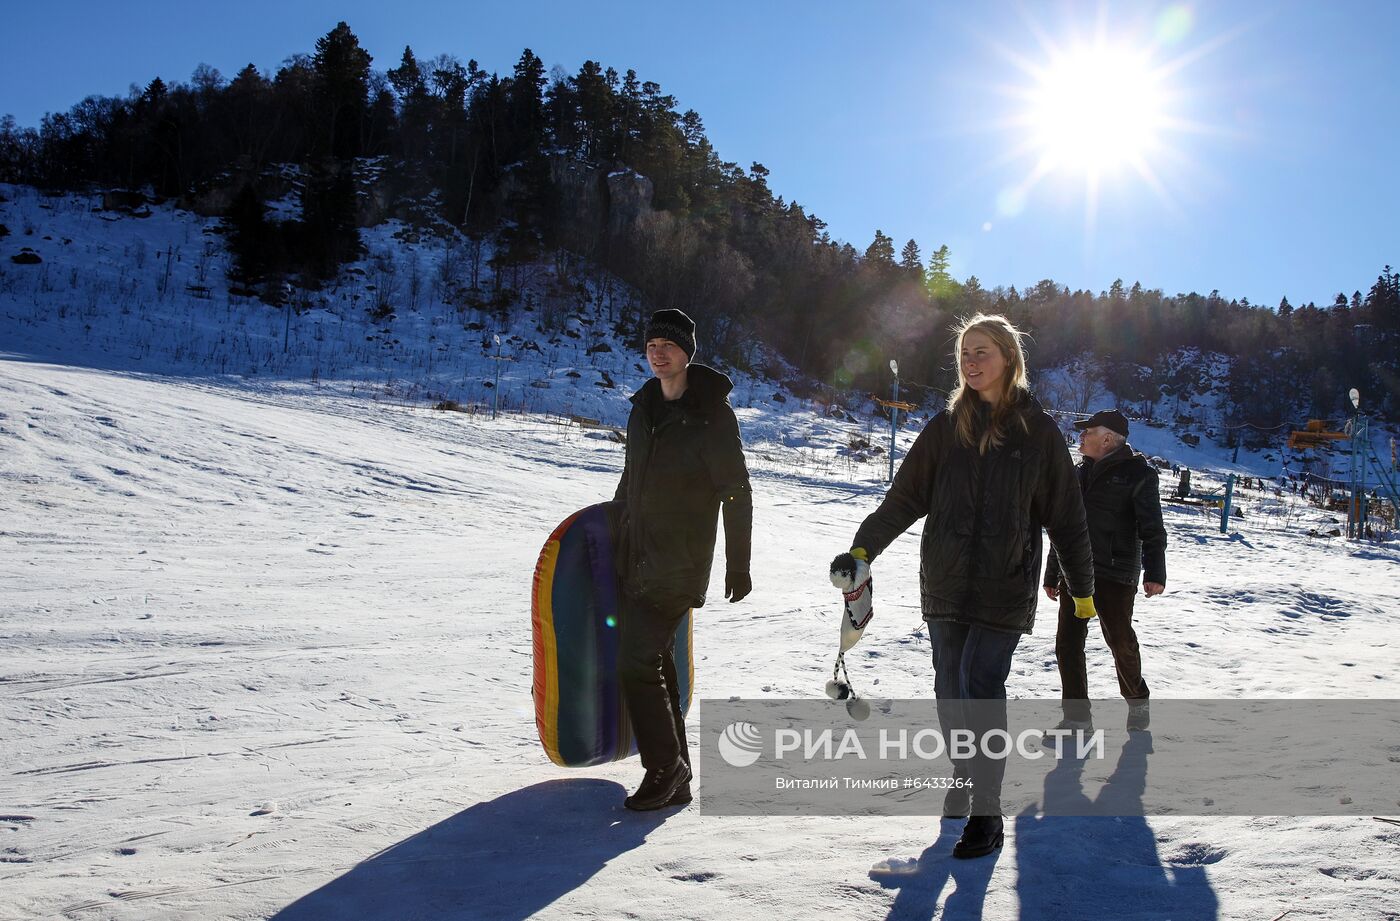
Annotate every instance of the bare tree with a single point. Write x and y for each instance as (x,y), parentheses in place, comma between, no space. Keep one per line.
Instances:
(1076,389)
(385,281)
(415,282)
(449,270)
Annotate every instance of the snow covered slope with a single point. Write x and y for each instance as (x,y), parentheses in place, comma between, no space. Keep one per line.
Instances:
(264,639)
(266,654)
(150,294)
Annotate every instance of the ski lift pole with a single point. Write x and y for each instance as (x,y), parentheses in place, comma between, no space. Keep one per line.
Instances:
(1225,506)
(894,414)
(496,383)
(1363,508)
(1355,476)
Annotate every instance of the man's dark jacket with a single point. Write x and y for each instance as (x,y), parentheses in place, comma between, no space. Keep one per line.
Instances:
(1125,519)
(684,459)
(981,550)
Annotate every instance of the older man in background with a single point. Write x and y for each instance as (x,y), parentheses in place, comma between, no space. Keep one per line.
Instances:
(1125,530)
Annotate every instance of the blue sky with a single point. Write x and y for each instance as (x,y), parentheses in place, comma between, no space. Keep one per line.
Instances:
(1272,177)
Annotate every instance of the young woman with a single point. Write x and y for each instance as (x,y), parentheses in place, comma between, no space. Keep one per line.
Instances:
(988,472)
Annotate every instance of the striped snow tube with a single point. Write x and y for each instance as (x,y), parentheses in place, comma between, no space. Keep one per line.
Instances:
(576,624)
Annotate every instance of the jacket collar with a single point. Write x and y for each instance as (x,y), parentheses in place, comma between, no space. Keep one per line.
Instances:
(704,388)
(1095,469)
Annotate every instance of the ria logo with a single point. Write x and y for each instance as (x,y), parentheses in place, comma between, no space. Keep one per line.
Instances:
(740,745)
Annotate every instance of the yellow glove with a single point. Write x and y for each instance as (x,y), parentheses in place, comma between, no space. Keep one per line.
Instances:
(860,554)
(1084,608)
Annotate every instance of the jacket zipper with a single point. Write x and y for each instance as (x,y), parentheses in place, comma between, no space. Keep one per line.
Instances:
(652,429)
(981,469)
(646,469)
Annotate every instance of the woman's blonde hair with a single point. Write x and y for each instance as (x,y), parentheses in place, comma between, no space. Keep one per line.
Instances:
(962,402)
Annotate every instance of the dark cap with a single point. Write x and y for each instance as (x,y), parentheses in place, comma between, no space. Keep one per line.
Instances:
(674,325)
(1110,419)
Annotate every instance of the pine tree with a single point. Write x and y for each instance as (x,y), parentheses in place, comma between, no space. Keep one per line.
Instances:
(155,92)
(12,151)
(525,102)
(416,119)
(246,102)
(881,251)
(248,236)
(407,78)
(593,111)
(1383,300)
(341,67)
(939,283)
(629,117)
(910,260)
(329,226)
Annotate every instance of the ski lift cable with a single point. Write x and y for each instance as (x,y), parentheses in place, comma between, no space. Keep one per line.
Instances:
(1261,428)
(1078,415)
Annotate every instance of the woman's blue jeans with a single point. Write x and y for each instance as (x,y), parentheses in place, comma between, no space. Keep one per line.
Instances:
(970,668)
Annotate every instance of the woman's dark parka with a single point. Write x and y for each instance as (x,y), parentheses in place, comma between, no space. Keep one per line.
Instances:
(981,550)
(684,459)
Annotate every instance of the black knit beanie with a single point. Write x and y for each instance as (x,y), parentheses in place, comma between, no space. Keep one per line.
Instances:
(674,325)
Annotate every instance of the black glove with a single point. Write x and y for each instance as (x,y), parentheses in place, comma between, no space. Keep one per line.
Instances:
(737,585)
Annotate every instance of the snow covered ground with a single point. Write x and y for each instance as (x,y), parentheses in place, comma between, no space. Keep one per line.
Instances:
(264,633)
(265,653)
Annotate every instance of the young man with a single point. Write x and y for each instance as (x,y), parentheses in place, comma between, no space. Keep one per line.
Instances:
(684,461)
(1126,532)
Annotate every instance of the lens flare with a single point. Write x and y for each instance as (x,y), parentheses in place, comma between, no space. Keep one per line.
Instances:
(1102,109)
(1097,109)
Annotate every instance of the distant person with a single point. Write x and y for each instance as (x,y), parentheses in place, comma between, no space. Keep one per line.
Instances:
(1125,529)
(1183,485)
(988,473)
(684,461)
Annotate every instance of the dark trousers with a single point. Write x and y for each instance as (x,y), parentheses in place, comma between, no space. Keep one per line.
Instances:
(647,669)
(1114,602)
(970,667)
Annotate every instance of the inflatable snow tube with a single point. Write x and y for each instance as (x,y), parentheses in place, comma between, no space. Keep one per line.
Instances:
(577,630)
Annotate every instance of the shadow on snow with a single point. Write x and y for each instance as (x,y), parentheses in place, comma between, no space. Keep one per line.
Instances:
(505,859)
(1101,860)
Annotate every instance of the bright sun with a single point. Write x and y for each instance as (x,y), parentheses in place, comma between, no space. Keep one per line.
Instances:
(1106,110)
(1095,110)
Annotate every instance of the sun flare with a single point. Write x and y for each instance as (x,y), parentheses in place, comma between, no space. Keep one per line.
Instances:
(1095,110)
(1098,111)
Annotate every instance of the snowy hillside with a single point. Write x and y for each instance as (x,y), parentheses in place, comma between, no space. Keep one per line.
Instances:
(149,293)
(147,290)
(268,655)
(265,635)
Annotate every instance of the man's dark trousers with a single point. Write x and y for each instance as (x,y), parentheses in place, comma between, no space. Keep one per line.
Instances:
(647,668)
(1114,602)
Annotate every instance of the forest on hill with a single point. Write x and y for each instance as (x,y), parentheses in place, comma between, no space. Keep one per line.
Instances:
(601,169)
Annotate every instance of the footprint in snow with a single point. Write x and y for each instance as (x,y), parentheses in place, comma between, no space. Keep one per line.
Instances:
(895,866)
(698,877)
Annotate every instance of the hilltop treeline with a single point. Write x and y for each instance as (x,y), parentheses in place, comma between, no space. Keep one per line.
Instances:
(501,155)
